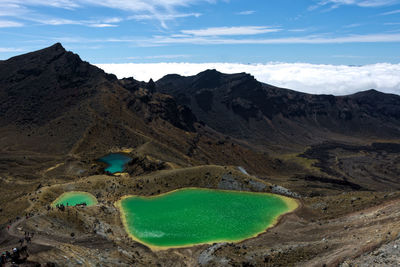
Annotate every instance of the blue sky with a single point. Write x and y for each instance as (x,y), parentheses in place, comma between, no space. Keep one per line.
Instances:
(347,32)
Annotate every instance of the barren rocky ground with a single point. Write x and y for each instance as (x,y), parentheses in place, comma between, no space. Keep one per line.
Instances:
(211,130)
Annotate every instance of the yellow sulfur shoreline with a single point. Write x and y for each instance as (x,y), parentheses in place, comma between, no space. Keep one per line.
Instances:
(292,204)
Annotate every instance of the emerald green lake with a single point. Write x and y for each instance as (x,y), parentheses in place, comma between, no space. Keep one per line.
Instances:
(75,198)
(196,216)
(116,162)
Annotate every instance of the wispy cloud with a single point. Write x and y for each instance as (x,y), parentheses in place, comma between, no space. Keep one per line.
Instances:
(216,40)
(43,20)
(246,12)
(162,10)
(221,31)
(163,18)
(297,30)
(10,24)
(102,25)
(203,39)
(65,4)
(361,3)
(10,49)
(309,78)
(397,11)
(354,25)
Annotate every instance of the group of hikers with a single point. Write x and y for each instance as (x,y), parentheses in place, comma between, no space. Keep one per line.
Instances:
(18,255)
(62,206)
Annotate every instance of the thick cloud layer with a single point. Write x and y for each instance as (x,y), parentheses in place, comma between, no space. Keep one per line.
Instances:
(309,78)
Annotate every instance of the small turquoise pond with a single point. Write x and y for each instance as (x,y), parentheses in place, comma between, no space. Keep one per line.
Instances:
(75,198)
(116,162)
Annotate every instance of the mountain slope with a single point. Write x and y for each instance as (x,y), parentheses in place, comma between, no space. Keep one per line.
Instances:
(50,99)
(29,82)
(240,106)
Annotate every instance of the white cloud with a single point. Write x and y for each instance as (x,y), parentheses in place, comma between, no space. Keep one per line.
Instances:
(397,11)
(298,30)
(241,30)
(215,40)
(56,21)
(354,25)
(360,3)
(164,17)
(204,39)
(66,4)
(61,21)
(10,49)
(309,78)
(161,10)
(9,24)
(246,13)
(102,25)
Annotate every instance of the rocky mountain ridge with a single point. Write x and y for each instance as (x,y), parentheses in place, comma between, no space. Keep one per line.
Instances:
(240,106)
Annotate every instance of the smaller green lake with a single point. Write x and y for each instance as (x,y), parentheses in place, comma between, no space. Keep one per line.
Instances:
(116,162)
(193,216)
(74,198)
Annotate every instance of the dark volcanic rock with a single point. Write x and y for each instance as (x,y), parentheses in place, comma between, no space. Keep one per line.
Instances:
(52,101)
(39,86)
(240,106)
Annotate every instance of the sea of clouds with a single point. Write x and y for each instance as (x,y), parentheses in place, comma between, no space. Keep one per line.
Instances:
(304,77)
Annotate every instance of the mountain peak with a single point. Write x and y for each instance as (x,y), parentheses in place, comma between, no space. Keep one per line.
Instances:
(41,85)
(55,47)
(367,93)
(42,55)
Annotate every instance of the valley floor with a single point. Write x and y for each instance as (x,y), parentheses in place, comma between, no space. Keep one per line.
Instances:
(314,235)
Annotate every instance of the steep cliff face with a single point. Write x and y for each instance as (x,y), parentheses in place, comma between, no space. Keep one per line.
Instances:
(240,106)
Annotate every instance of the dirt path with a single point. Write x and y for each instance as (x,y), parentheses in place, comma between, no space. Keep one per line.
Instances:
(10,238)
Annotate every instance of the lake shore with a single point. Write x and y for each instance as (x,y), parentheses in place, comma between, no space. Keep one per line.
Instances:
(292,205)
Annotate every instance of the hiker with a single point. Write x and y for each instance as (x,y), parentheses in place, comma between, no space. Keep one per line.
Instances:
(15,255)
(28,239)
(24,250)
(3,259)
(21,241)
